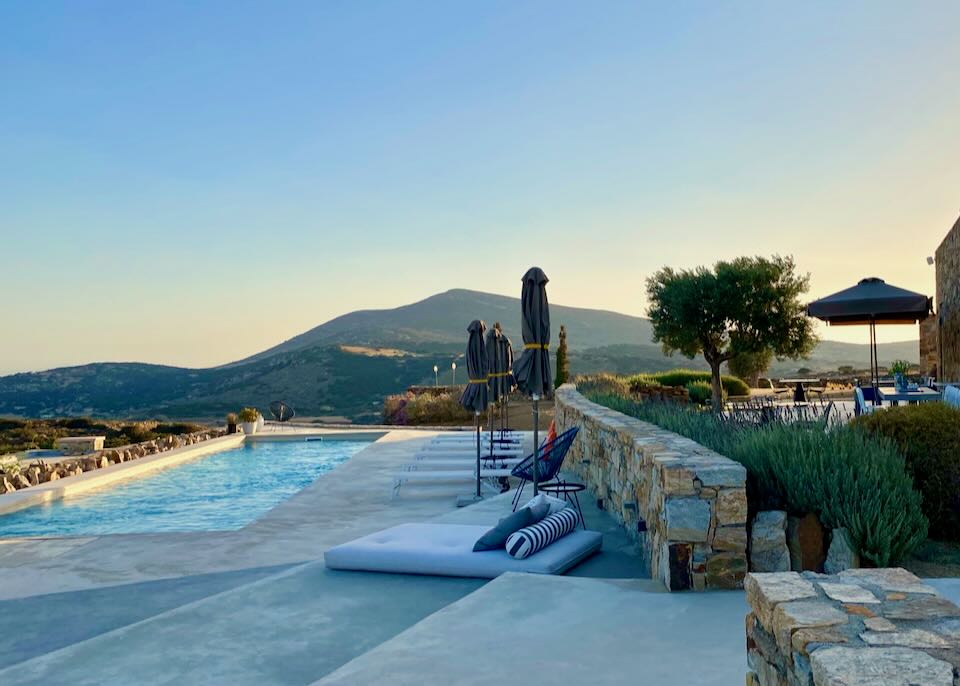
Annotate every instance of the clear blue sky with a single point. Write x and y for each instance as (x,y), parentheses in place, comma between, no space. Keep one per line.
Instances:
(188,183)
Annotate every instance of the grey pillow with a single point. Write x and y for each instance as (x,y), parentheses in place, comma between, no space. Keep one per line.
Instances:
(539,510)
(497,536)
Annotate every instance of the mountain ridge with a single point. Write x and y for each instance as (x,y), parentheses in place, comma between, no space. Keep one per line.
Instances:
(344,367)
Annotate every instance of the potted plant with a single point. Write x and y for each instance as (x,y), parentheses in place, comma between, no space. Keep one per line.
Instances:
(232,423)
(900,369)
(248,420)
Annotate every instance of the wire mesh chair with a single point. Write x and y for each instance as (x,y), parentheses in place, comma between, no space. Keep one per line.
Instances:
(281,411)
(551,459)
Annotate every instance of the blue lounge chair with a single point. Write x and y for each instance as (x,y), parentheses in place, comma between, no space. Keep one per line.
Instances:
(551,458)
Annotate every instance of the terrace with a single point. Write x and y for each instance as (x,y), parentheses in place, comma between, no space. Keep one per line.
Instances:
(257,605)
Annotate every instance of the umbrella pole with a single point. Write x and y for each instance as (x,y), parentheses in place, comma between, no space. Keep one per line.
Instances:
(875,357)
(476,419)
(536,442)
(490,419)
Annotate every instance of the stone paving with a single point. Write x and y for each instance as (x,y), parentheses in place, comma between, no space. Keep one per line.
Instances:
(857,628)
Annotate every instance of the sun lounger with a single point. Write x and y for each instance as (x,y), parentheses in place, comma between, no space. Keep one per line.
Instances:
(455,463)
(446,475)
(447,550)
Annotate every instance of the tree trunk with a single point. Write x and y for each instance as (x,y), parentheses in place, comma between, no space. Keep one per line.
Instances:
(717,403)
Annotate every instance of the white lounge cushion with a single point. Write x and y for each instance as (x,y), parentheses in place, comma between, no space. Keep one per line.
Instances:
(447,550)
(554,505)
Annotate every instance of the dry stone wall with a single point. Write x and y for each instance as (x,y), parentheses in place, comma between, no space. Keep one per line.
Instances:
(685,504)
(862,627)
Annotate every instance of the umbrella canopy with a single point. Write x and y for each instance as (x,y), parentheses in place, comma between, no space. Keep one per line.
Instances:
(494,372)
(871,301)
(475,397)
(532,370)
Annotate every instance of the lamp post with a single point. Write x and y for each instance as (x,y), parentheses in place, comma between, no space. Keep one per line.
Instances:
(453,366)
(436,376)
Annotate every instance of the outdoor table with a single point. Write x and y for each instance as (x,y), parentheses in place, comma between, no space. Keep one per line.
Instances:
(920,395)
(567,489)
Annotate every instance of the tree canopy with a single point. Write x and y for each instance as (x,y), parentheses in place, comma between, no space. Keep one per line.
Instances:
(745,306)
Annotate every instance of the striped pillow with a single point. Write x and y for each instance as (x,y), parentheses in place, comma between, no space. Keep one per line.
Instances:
(530,539)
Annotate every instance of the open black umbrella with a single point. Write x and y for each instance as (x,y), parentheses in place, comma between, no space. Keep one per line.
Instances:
(872,301)
(532,370)
(475,397)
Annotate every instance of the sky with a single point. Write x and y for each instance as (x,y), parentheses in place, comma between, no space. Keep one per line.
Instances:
(189,183)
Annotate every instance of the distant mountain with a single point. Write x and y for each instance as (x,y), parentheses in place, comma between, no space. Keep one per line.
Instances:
(346,366)
(443,318)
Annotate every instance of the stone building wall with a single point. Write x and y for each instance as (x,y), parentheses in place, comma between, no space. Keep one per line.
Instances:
(862,627)
(686,504)
(948,304)
(929,348)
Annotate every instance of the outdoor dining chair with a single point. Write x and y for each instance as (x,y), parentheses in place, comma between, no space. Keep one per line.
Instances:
(551,455)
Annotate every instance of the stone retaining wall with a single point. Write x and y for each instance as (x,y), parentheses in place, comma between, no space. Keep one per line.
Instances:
(862,627)
(44,471)
(686,504)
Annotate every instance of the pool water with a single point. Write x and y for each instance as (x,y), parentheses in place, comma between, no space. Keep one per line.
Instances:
(223,491)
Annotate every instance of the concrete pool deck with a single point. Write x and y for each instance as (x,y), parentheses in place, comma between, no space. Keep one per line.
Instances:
(258,606)
(251,606)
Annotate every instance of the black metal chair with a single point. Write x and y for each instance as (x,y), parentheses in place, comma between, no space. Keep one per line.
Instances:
(281,411)
(551,455)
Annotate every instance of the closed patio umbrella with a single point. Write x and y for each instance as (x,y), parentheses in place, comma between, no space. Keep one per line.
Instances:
(507,381)
(475,396)
(872,301)
(494,380)
(532,370)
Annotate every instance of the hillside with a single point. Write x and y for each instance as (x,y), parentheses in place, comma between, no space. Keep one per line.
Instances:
(443,318)
(346,366)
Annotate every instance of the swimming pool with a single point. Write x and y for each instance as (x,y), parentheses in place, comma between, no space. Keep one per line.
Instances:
(223,491)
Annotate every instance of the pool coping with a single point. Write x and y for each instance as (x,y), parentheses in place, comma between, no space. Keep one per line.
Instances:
(71,485)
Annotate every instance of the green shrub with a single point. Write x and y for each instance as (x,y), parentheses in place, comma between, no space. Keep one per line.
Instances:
(928,435)
(137,433)
(701,392)
(682,377)
(248,414)
(604,384)
(848,478)
(177,428)
(428,408)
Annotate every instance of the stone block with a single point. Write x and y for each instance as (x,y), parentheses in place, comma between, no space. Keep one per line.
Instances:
(687,519)
(766,591)
(677,480)
(726,570)
(801,614)
(908,638)
(920,607)
(848,593)
(725,474)
(679,561)
(894,580)
(808,639)
(879,624)
(840,556)
(768,543)
(730,538)
(731,506)
(846,666)
(806,539)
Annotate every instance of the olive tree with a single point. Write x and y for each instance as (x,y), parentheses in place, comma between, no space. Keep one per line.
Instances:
(747,305)
(749,366)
